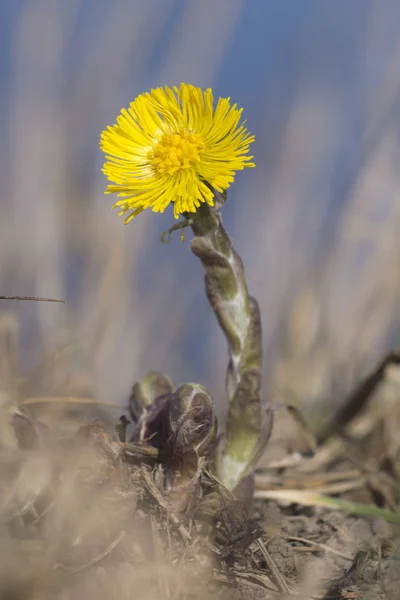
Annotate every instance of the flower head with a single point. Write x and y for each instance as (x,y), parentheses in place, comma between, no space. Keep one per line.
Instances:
(172,145)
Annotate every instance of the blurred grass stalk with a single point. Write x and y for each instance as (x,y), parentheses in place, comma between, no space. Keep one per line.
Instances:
(330,312)
(306,498)
(59,237)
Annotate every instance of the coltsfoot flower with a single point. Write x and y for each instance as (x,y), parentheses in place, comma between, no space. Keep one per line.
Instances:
(172,145)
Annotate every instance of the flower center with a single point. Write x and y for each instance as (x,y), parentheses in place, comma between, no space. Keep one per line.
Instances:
(176,151)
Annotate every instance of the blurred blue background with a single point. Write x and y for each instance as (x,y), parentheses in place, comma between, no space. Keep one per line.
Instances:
(317,223)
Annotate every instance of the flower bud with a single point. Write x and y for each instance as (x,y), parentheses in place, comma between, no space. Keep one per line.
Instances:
(191,419)
(192,428)
(147,390)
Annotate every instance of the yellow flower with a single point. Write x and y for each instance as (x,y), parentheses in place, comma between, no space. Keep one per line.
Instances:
(172,145)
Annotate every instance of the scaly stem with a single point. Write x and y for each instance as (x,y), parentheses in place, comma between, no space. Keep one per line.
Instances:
(249,423)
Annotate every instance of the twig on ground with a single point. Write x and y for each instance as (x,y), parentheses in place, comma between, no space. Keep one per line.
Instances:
(308,498)
(154,491)
(317,545)
(96,559)
(32,298)
(159,554)
(278,577)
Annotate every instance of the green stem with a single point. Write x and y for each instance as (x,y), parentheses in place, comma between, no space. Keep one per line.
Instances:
(249,423)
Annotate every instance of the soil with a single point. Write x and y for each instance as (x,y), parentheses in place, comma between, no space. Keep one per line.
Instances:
(85,514)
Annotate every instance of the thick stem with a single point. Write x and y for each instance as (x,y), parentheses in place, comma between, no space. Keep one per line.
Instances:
(249,423)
